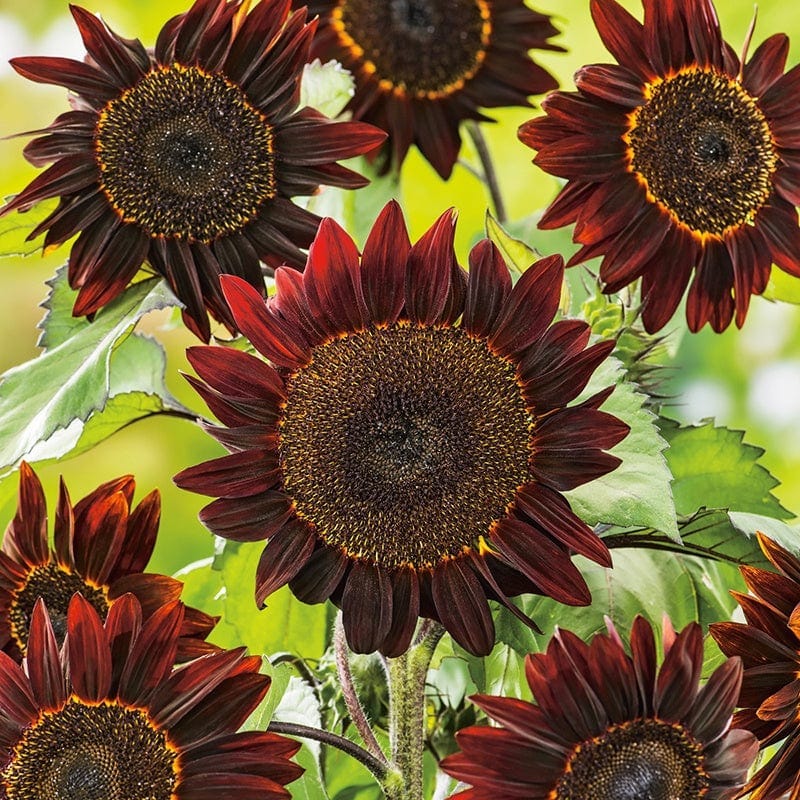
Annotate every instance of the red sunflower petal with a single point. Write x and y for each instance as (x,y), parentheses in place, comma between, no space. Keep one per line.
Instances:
(582,157)
(282,345)
(664,35)
(488,288)
(247,519)
(622,35)
(367,607)
(89,652)
(311,138)
(462,607)
(320,576)
(17,703)
(565,209)
(383,265)
(710,297)
(429,271)
(779,221)
(240,474)
(611,82)
(44,666)
(64,527)
(232,372)
(405,613)
(26,538)
(543,562)
(675,690)
(704,34)
(140,538)
(80,78)
(766,65)
(332,280)
(112,270)
(107,51)
(712,709)
(103,540)
(530,307)
(152,653)
(283,556)
(550,511)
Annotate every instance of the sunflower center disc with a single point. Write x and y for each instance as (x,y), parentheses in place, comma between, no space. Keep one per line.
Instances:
(403,445)
(184,154)
(423,47)
(82,752)
(56,587)
(642,760)
(704,149)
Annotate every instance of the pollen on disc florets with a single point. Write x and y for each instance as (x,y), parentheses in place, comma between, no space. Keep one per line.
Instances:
(704,150)
(184,154)
(56,586)
(404,445)
(91,752)
(425,48)
(637,759)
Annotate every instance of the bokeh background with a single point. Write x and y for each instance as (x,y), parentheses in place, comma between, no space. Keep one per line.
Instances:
(748,379)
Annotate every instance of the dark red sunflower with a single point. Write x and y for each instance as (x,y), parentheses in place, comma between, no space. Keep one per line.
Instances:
(423,66)
(101,546)
(405,452)
(769,646)
(108,718)
(679,160)
(611,725)
(186,156)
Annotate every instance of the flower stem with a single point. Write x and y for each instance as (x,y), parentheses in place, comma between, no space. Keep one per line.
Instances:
(489,173)
(407,675)
(376,767)
(357,713)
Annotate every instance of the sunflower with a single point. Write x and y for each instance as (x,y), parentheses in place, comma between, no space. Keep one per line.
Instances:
(422,66)
(406,450)
(102,545)
(679,160)
(186,156)
(769,646)
(610,725)
(109,719)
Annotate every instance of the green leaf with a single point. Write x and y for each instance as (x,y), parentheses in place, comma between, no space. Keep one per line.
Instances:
(202,588)
(750,524)
(518,255)
(731,536)
(356,211)
(783,287)
(299,705)
(92,379)
(646,582)
(285,624)
(15,228)
(713,468)
(637,493)
(281,675)
(326,87)
(641,582)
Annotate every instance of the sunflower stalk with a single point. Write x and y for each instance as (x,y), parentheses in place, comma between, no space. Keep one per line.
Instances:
(376,767)
(407,677)
(489,172)
(354,707)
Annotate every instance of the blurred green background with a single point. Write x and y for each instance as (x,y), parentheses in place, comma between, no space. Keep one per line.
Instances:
(747,379)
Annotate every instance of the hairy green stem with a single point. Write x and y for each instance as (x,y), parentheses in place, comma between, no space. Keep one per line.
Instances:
(377,768)
(354,707)
(489,172)
(407,675)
